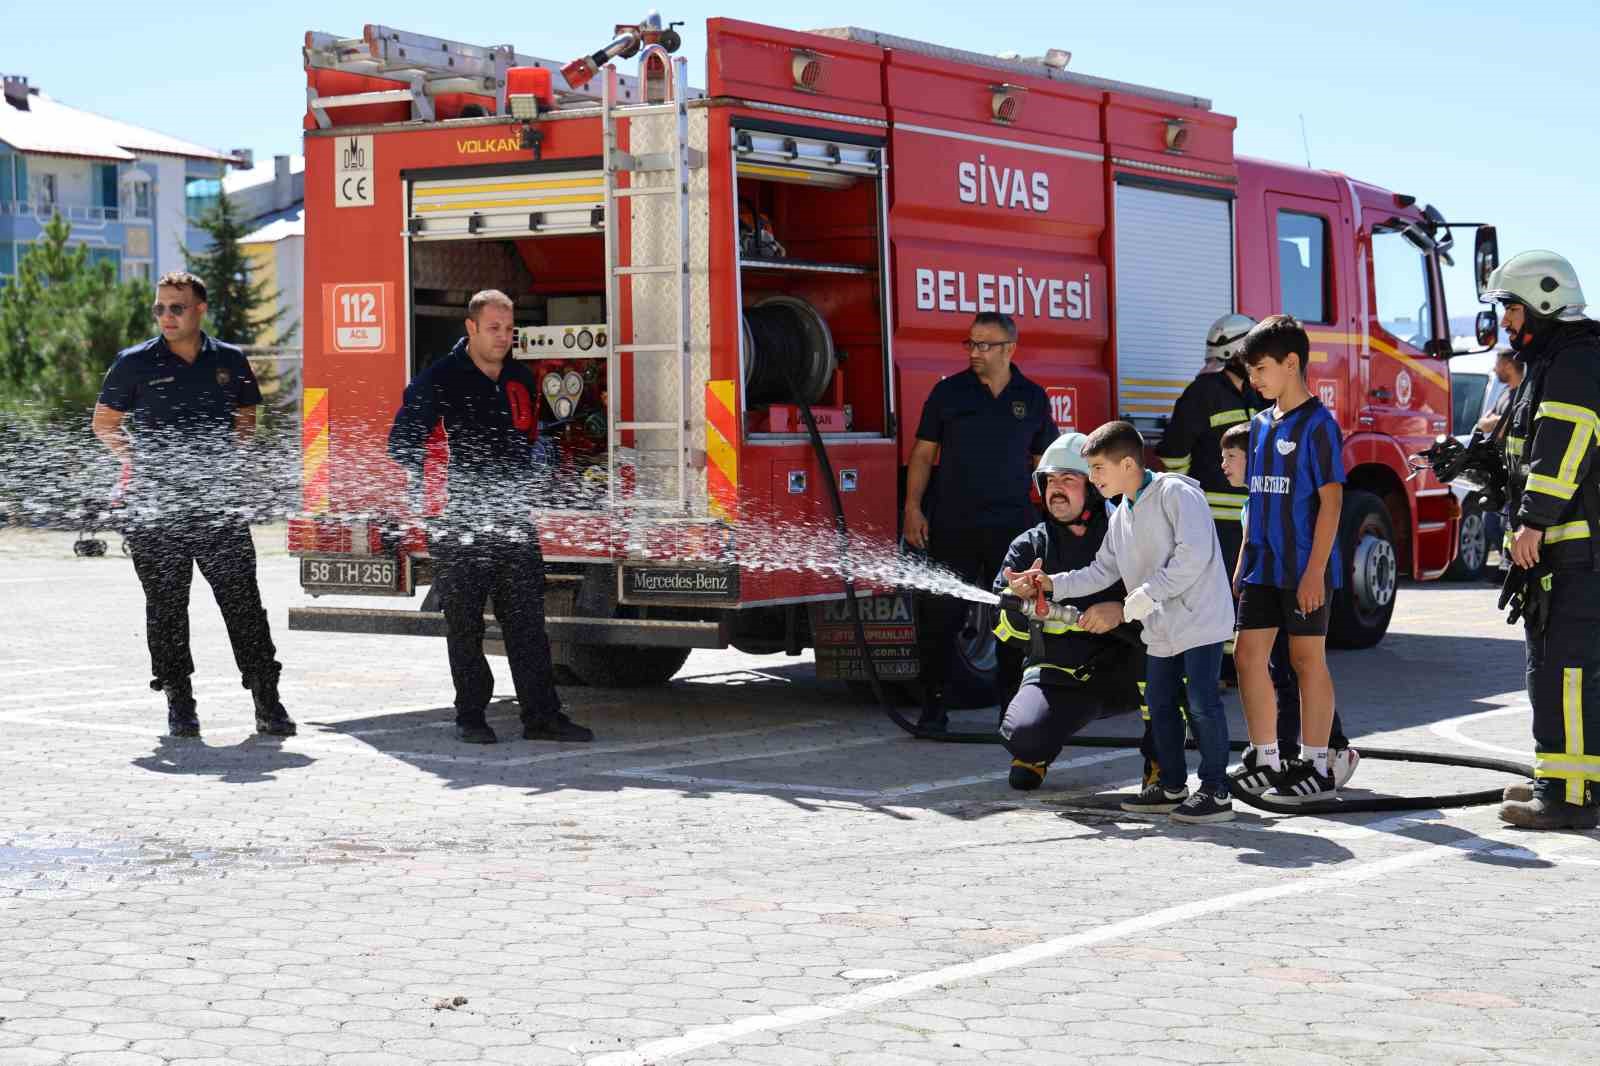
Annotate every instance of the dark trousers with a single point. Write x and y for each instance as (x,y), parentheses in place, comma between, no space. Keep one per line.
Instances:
(1041,718)
(1564,686)
(975,555)
(1167,680)
(1287,686)
(510,570)
(165,556)
(1230,535)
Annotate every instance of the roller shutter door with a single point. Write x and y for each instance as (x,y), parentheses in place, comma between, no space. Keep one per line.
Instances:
(1174,278)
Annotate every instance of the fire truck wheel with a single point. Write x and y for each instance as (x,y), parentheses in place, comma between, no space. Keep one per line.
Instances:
(609,667)
(1362,608)
(1472,551)
(972,662)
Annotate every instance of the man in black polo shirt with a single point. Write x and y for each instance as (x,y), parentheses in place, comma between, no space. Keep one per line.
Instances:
(486,544)
(179,410)
(987,426)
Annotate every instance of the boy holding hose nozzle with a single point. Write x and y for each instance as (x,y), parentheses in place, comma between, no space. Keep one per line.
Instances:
(1161,541)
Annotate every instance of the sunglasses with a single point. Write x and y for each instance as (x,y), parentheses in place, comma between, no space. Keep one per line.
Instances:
(175,310)
(982,347)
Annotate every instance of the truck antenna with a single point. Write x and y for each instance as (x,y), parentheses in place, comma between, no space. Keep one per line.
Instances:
(1305,141)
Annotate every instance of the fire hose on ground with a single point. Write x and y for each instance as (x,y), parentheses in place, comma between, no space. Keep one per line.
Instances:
(1379,803)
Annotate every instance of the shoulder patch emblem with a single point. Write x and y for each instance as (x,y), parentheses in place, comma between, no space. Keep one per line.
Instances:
(1019,408)
(1285,447)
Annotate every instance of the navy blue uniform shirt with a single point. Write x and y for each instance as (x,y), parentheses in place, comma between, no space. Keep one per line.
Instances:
(986,449)
(181,415)
(491,426)
(1290,459)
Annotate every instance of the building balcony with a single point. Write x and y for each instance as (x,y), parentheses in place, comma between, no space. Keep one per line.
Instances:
(85,214)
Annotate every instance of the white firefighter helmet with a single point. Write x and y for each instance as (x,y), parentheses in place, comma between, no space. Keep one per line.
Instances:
(1543,282)
(1225,339)
(1063,456)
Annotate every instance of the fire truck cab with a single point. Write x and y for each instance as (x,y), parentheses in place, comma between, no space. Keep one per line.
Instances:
(697,272)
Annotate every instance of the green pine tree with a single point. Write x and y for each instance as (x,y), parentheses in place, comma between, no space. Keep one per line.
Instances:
(241,309)
(62,321)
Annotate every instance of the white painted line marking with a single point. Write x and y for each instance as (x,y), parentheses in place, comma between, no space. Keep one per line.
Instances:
(79,668)
(1450,729)
(733,784)
(710,1036)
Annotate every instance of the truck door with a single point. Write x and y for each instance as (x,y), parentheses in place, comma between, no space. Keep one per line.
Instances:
(1305,270)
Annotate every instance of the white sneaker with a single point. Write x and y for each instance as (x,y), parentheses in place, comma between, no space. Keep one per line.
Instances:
(1342,762)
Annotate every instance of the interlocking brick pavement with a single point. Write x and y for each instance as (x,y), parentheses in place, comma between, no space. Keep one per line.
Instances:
(744,867)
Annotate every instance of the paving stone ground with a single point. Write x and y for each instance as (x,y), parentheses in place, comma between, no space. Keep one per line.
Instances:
(744,867)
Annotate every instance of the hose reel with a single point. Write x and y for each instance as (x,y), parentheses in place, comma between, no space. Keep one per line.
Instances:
(785,337)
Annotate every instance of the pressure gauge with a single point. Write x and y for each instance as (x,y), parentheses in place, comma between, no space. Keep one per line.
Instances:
(568,339)
(572,384)
(563,407)
(585,339)
(551,385)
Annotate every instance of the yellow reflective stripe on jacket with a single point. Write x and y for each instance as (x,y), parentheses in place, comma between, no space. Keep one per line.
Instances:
(1224,419)
(1178,465)
(1569,412)
(1225,505)
(1514,446)
(1006,631)
(1565,531)
(1549,486)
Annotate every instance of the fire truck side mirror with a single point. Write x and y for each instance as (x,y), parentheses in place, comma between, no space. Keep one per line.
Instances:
(1485,256)
(1488,329)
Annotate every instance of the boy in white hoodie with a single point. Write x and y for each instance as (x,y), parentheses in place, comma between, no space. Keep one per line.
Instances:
(1161,543)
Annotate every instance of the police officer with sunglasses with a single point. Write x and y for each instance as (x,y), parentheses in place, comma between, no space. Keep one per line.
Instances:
(179,411)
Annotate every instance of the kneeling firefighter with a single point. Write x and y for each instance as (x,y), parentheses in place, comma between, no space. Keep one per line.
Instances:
(1071,674)
(1554,496)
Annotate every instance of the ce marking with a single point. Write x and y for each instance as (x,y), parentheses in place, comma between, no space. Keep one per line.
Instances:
(360,193)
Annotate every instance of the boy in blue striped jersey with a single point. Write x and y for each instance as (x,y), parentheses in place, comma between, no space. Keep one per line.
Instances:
(1290,564)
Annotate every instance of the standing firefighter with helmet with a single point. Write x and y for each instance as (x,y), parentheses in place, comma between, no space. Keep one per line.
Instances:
(1554,492)
(1219,398)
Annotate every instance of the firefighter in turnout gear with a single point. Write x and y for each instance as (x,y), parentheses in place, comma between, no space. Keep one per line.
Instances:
(1554,495)
(1071,674)
(1219,398)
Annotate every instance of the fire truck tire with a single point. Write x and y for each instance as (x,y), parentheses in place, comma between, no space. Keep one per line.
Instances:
(602,666)
(1472,550)
(1363,607)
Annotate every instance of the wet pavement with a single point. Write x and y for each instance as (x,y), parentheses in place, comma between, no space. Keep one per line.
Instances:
(746,866)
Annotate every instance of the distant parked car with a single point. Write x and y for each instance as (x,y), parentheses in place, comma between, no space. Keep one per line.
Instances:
(1474,391)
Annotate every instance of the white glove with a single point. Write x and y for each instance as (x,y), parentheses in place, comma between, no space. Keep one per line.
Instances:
(1138,606)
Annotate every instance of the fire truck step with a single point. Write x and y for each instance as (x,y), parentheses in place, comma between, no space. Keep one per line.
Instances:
(646,425)
(643,632)
(644,348)
(665,268)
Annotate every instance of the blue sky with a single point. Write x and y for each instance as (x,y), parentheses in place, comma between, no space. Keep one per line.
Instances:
(1487,114)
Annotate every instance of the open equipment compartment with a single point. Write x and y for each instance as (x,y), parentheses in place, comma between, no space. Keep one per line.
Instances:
(531,231)
(809,229)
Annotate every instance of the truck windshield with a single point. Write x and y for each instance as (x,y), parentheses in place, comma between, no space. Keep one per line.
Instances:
(1401,288)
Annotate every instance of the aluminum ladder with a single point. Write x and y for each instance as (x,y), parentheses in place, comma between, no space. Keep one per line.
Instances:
(654,337)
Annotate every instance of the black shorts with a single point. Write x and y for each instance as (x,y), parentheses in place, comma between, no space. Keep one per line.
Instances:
(1271,607)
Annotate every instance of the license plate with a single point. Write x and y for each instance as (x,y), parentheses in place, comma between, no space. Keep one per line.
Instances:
(344,574)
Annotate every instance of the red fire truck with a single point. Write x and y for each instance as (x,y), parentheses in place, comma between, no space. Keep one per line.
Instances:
(824,218)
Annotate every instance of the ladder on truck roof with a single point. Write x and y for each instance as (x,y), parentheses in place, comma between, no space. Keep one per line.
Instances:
(424,67)
(659,338)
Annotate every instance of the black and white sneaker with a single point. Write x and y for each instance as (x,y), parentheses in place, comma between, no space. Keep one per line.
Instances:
(1253,776)
(1204,807)
(1155,800)
(1302,784)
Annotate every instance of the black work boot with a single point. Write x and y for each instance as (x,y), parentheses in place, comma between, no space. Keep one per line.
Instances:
(271,719)
(474,729)
(182,721)
(1549,809)
(554,725)
(934,717)
(1027,776)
